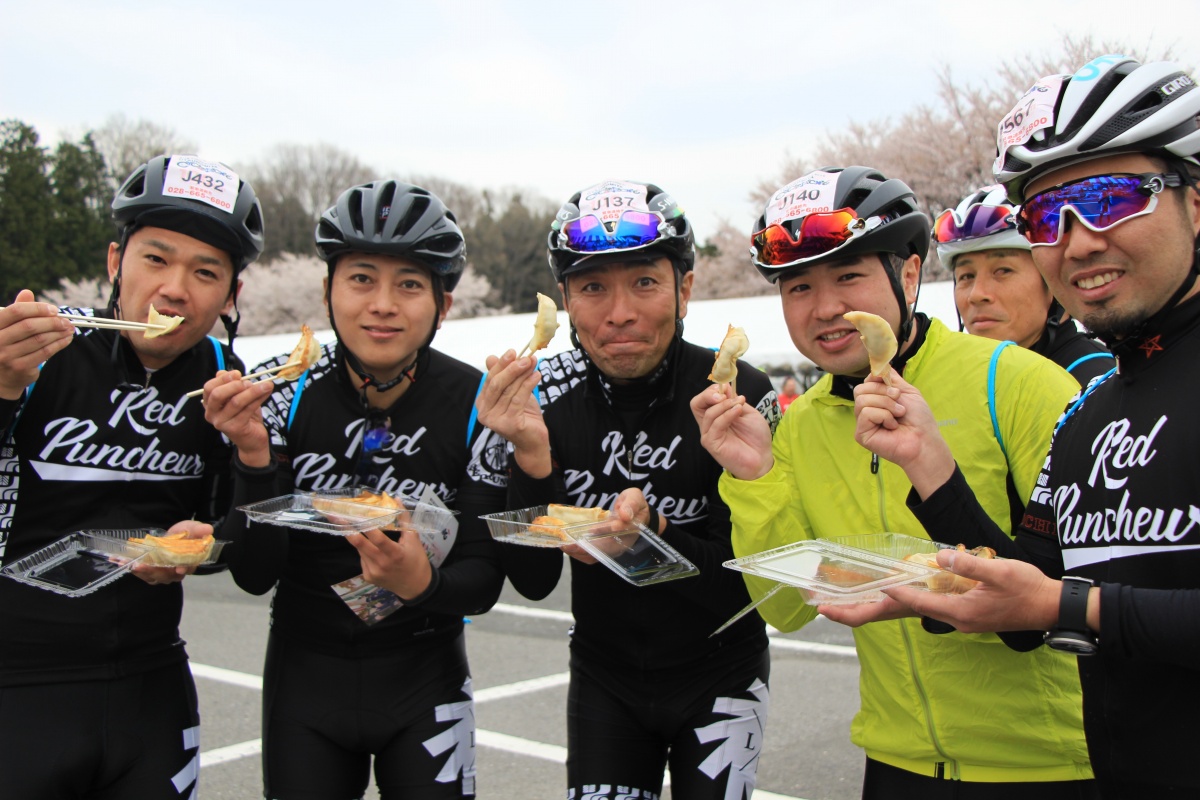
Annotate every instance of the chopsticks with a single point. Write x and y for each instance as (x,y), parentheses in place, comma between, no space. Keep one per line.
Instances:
(259,374)
(81,321)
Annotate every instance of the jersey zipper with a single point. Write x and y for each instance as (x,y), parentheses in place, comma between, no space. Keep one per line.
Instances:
(923,696)
(908,646)
(883,517)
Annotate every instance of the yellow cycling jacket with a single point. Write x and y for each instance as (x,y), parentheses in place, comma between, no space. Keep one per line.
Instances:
(963,706)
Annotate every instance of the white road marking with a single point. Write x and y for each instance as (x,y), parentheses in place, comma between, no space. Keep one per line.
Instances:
(791,645)
(242,679)
(522,687)
(233,752)
(492,739)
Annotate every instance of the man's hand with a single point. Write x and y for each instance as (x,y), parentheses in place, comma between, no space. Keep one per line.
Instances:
(507,406)
(896,423)
(402,567)
(1011,596)
(156,576)
(734,434)
(859,614)
(30,333)
(234,407)
(631,506)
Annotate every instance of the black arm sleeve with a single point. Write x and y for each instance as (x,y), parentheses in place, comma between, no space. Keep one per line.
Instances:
(533,571)
(470,580)
(256,552)
(952,515)
(1151,624)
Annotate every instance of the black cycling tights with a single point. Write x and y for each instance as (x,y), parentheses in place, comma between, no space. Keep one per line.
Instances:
(324,717)
(133,737)
(707,725)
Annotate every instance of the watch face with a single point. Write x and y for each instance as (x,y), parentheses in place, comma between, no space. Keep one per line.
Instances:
(1071,642)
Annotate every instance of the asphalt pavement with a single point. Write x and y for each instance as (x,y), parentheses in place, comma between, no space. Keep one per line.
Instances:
(518,655)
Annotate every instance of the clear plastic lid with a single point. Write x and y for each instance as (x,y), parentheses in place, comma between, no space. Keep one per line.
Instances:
(349,511)
(78,564)
(519,527)
(853,569)
(631,550)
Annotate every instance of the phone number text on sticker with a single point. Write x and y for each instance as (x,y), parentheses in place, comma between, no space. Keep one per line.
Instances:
(209,182)
(200,194)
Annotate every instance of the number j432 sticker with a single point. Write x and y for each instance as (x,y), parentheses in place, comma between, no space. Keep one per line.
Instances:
(209,182)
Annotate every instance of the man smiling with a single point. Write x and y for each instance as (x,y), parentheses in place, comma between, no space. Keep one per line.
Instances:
(1107,173)
(928,728)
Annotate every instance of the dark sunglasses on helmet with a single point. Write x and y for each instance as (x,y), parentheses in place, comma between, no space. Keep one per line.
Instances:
(981,220)
(783,244)
(630,231)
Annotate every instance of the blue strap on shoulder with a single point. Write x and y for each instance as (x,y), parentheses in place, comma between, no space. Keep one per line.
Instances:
(220,354)
(1091,388)
(303,379)
(1088,357)
(991,389)
(475,411)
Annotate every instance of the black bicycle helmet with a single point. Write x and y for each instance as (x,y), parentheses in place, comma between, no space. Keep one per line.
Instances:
(141,202)
(605,204)
(1114,104)
(888,222)
(901,227)
(395,219)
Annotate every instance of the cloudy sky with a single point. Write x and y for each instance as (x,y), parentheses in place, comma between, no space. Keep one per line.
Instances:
(704,98)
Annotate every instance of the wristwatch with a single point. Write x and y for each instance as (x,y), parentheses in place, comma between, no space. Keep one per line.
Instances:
(1071,634)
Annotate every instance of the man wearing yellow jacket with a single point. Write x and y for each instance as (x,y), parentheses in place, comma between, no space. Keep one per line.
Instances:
(943,714)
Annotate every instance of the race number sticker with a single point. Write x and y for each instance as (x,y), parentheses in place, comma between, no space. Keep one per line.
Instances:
(811,194)
(207,181)
(610,199)
(1034,111)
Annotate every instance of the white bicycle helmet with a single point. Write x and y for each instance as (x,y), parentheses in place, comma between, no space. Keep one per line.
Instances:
(984,220)
(1114,104)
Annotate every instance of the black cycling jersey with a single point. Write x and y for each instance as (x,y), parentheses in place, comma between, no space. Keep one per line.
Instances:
(316,440)
(84,453)
(649,687)
(1116,502)
(1081,355)
(606,438)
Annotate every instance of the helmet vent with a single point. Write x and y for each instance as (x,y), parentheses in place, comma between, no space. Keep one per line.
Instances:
(354,206)
(1118,125)
(137,187)
(444,244)
(415,211)
(254,222)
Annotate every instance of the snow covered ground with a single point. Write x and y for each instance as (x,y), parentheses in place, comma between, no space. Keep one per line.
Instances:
(472,340)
